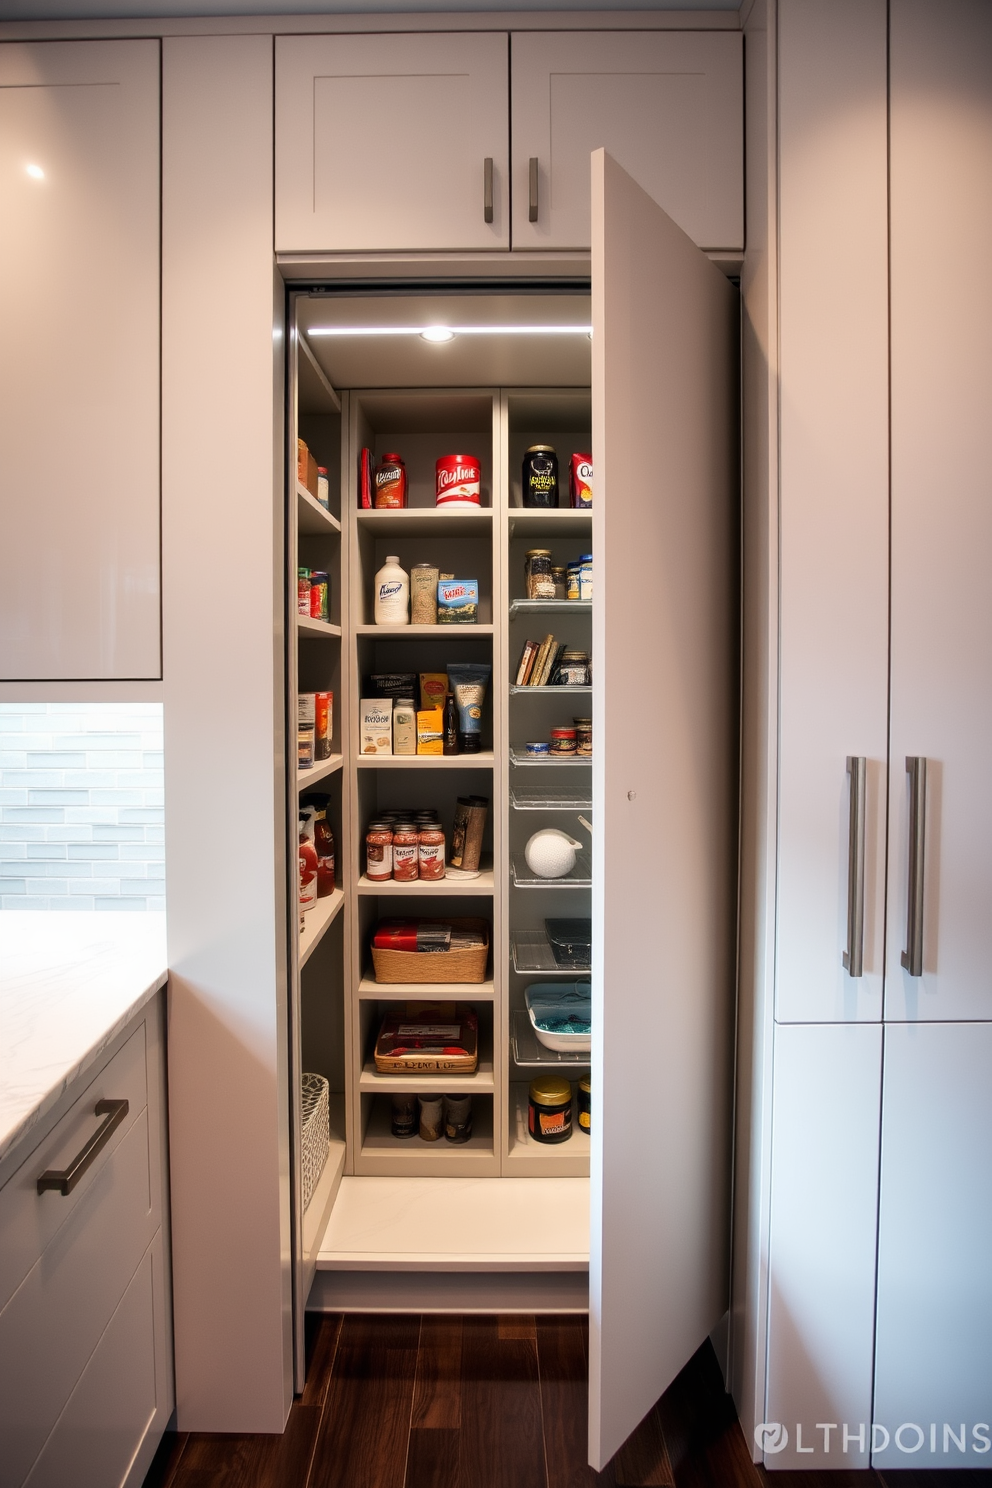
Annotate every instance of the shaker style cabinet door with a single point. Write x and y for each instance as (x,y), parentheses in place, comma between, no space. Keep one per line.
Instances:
(834,522)
(79,360)
(391,142)
(933,1349)
(939,961)
(665,358)
(667,106)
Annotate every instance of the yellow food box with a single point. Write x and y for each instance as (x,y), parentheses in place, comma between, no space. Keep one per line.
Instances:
(430,731)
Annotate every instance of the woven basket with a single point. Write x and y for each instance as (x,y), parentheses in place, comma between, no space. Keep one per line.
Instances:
(436,967)
(316,1131)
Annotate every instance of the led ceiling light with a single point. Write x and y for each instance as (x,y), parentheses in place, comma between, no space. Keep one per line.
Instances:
(448,333)
(35,171)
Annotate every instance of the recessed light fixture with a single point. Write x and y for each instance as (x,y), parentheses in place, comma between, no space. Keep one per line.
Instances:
(447,333)
(35,171)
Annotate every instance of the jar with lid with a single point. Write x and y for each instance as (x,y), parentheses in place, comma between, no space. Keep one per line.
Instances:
(406,852)
(573,581)
(319,596)
(585,577)
(423,594)
(379,852)
(430,858)
(583,737)
(549,1109)
(585,1104)
(540,580)
(563,741)
(560,578)
(389,482)
(573,669)
(540,476)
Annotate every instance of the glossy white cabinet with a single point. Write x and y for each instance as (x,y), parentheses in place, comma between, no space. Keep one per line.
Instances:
(79,360)
(392,142)
(86,1382)
(669,108)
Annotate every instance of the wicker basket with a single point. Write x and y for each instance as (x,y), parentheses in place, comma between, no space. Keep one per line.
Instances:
(316,1132)
(436,967)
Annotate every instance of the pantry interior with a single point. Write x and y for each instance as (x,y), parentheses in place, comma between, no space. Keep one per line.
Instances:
(363,376)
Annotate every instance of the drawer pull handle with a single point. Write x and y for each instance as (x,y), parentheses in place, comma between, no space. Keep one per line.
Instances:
(487,190)
(66,1179)
(532,199)
(854,955)
(912,956)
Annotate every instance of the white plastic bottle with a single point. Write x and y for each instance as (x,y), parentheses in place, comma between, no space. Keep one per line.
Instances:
(392,594)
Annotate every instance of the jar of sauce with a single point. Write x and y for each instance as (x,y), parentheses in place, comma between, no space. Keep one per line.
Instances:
(379,852)
(431,853)
(563,741)
(583,737)
(585,1104)
(406,849)
(308,865)
(549,1109)
(323,841)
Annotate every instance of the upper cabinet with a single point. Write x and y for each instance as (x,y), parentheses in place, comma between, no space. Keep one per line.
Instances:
(79,360)
(668,106)
(392,142)
(401,143)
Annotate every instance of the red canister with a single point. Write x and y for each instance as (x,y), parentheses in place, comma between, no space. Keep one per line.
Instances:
(458,482)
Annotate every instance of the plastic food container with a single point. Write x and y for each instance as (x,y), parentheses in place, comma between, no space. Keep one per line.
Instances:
(553,1007)
(539,748)
(570,942)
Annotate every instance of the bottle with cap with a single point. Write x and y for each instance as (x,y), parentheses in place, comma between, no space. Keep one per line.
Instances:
(392,593)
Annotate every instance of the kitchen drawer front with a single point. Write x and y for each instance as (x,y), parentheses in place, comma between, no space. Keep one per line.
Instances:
(105,1436)
(54,1320)
(30,1220)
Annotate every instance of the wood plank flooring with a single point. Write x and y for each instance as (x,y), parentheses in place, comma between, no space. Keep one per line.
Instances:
(485,1402)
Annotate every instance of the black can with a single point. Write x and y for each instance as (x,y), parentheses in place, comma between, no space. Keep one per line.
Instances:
(540,476)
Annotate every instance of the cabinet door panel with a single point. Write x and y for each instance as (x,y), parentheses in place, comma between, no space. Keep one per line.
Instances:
(942,500)
(665,358)
(668,107)
(834,497)
(381,142)
(79,360)
(933,1353)
(824,1200)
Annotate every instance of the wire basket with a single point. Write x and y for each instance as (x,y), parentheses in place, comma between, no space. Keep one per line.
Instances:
(316,1131)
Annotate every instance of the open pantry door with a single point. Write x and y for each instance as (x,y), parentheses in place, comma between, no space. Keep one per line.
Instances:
(665,518)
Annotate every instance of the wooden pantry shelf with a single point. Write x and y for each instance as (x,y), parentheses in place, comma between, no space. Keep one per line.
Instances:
(317,921)
(484,760)
(484,885)
(311,517)
(369,990)
(426,521)
(479,1082)
(319,771)
(442,632)
(316,629)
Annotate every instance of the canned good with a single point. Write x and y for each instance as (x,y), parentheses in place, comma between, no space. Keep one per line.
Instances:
(540,476)
(430,855)
(538,748)
(584,1103)
(303,591)
(537,569)
(573,581)
(379,852)
(563,741)
(585,576)
(573,669)
(323,710)
(319,596)
(549,1109)
(423,594)
(324,487)
(583,736)
(389,482)
(406,846)
(458,482)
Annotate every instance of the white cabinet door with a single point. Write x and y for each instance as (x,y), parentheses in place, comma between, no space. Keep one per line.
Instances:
(668,106)
(382,142)
(834,499)
(941,503)
(79,360)
(933,1352)
(821,1260)
(664,370)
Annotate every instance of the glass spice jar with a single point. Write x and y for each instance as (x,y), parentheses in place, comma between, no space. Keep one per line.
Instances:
(406,852)
(431,853)
(540,580)
(379,852)
(549,1109)
(561,581)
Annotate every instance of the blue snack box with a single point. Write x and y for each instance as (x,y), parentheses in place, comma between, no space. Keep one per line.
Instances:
(457,601)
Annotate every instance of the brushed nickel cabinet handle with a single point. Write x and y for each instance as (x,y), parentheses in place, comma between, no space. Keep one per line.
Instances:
(912,956)
(65,1179)
(487,190)
(854,955)
(532,190)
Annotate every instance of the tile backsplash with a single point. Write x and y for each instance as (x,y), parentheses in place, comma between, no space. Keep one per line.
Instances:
(81,806)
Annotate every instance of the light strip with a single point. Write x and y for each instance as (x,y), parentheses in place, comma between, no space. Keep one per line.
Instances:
(457,330)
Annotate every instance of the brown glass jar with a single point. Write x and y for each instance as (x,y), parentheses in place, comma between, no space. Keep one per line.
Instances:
(379,852)
(406,852)
(549,1109)
(431,853)
(583,737)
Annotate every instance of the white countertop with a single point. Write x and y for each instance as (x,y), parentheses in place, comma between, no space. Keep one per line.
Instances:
(69,982)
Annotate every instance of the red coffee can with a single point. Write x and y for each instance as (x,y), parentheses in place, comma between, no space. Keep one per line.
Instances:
(458,481)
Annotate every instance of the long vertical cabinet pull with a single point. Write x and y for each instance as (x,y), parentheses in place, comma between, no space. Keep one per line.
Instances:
(487,189)
(532,189)
(912,956)
(854,955)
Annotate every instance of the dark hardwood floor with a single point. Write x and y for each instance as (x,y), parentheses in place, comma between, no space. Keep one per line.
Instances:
(485,1402)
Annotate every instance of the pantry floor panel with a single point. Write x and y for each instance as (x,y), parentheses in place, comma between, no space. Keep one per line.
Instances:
(452,1224)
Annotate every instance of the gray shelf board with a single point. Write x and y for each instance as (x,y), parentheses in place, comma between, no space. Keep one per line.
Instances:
(579,878)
